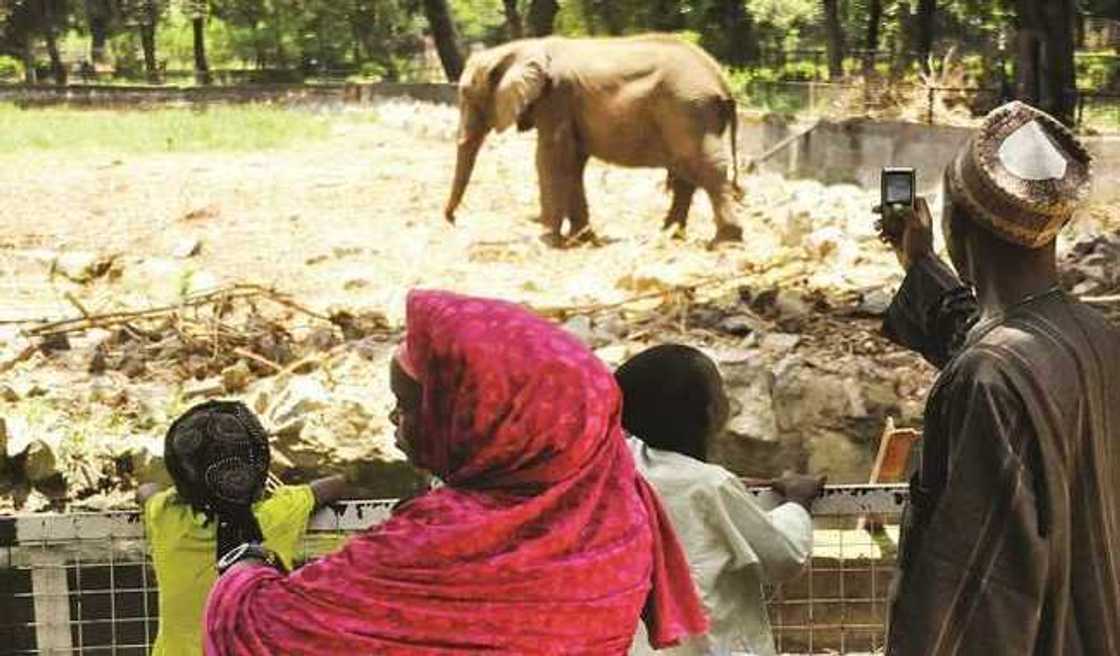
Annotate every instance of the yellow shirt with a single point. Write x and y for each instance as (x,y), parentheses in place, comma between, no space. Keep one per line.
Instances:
(183,557)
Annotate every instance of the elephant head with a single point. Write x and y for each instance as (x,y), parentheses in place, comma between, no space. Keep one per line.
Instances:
(496,90)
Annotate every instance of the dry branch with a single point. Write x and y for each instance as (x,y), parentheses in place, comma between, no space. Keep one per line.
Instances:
(224,294)
(258,358)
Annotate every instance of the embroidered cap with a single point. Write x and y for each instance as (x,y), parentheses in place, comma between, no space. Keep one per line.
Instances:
(1022,175)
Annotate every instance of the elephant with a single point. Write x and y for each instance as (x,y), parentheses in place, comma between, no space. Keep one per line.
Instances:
(652,100)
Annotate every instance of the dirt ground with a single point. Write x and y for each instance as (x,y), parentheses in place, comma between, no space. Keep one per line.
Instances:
(356,221)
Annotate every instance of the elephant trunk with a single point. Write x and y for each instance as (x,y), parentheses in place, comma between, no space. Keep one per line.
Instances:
(469,145)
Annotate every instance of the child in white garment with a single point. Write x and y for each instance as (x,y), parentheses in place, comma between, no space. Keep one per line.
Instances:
(673,405)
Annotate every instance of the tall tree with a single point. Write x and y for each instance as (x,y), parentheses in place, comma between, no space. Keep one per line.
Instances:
(99,14)
(53,14)
(148,15)
(871,42)
(542,16)
(446,37)
(144,17)
(835,37)
(196,10)
(1045,73)
(728,32)
(922,44)
(514,28)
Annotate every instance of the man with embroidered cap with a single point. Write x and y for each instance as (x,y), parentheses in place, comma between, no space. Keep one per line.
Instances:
(1011,539)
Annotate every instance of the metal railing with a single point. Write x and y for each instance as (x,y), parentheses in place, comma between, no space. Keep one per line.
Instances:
(82,583)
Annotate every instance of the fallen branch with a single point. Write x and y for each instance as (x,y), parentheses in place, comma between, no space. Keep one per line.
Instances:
(109,319)
(564,312)
(76,303)
(258,358)
(79,324)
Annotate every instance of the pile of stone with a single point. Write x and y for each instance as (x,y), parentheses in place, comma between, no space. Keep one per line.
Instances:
(1091,270)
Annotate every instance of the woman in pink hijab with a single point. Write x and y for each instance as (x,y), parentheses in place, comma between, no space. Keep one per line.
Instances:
(544,540)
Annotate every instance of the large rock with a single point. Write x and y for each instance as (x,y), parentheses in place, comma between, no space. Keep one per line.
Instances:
(81,267)
(805,396)
(792,413)
(837,456)
(317,432)
(750,390)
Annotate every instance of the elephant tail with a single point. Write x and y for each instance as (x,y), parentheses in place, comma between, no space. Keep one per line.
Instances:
(733,117)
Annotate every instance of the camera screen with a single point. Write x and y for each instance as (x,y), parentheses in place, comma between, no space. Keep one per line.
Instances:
(900,189)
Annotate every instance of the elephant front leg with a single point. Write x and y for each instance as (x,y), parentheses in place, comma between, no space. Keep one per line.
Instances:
(557,164)
(580,214)
(552,215)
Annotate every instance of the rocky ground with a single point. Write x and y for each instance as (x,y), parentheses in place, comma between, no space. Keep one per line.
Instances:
(278,278)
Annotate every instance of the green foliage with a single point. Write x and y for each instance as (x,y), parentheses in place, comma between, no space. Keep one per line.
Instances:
(802,71)
(690,36)
(1098,70)
(124,50)
(784,15)
(481,20)
(11,69)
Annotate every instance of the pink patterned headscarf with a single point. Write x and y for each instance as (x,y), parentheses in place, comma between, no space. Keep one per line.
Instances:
(544,541)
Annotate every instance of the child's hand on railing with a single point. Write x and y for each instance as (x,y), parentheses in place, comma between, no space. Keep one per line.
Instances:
(799,488)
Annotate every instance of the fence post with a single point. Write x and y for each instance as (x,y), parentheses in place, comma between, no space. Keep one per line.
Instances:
(51,595)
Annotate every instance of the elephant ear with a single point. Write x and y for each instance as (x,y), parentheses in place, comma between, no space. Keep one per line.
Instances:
(521,85)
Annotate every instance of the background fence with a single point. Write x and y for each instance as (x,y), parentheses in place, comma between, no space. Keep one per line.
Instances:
(82,583)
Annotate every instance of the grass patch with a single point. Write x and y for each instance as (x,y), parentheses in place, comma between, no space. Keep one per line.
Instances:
(223,128)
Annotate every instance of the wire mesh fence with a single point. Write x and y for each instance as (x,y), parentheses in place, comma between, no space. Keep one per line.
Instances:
(82,583)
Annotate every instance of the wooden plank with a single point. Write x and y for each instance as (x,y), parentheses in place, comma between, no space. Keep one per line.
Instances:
(890,462)
(51,595)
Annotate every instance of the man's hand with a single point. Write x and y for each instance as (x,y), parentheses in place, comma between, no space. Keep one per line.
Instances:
(908,230)
(799,488)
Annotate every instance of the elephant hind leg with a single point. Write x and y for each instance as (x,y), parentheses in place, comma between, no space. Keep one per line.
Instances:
(709,171)
(683,190)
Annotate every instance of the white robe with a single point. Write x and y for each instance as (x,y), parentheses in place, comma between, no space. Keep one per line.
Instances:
(733,547)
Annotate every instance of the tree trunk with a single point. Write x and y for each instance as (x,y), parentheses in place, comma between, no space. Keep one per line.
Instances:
(733,42)
(590,19)
(1045,74)
(923,32)
(665,16)
(1059,73)
(871,43)
(201,67)
(148,43)
(542,16)
(99,14)
(513,20)
(149,18)
(446,36)
(835,39)
(58,70)
(607,10)
(30,75)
